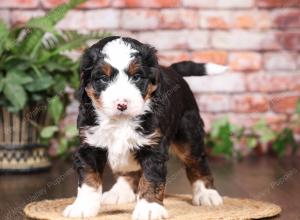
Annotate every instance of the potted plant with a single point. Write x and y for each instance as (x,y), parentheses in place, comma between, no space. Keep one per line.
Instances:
(34,72)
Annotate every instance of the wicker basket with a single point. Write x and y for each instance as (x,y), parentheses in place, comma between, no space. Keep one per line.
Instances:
(20,149)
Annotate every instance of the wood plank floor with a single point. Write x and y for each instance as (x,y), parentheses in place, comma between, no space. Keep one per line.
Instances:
(266,179)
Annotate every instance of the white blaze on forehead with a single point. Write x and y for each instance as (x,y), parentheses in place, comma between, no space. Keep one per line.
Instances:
(118,54)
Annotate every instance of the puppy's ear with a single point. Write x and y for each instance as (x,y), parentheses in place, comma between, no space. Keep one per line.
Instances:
(88,61)
(148,54)
(155,76)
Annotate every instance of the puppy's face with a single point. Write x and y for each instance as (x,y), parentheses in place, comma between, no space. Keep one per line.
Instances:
(121,80)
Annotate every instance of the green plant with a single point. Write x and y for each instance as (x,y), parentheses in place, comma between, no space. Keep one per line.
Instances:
(224,136)
(219,138)
(34,67)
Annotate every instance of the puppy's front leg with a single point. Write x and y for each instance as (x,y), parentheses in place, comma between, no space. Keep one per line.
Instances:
(152,184)
(89,163)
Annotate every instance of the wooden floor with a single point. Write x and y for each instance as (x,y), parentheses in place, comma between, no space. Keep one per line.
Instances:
(266,179)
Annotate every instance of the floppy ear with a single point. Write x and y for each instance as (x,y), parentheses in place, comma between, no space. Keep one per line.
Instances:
(155,76)
(88,61)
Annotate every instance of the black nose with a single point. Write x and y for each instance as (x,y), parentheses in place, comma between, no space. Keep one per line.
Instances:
(122,107)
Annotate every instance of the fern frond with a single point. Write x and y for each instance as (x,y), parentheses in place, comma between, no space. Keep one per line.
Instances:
(41,25)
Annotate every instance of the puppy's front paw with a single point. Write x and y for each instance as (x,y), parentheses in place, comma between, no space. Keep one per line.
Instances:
(120,193)
(205,196)
(77,210)
(149,211)
(87,203)
(118,197)
(210,197)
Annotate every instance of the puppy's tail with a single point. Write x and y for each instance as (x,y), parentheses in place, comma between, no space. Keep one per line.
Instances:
(190,68)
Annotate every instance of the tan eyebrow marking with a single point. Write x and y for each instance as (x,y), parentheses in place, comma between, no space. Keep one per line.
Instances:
(133,67)
(107,70)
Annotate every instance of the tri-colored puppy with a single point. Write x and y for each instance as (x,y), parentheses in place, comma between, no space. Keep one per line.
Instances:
(132,110)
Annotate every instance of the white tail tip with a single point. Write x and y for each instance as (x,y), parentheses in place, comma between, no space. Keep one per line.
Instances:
(212,68)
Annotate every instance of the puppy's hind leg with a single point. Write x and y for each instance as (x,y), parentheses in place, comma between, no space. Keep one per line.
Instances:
(189,147)
(124,190)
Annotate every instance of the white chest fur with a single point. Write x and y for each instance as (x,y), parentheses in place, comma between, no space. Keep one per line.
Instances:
(120,138)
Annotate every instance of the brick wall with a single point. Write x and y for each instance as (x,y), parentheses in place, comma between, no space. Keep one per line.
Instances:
(258,39)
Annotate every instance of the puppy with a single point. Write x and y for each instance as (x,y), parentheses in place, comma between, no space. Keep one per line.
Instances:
(132,110)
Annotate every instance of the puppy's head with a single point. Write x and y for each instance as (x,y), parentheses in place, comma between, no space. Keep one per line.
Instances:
(118,76)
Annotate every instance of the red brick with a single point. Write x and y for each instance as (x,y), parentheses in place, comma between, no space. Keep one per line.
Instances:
(211,19)
(235,4)
(166,58)
(219,83)
(284,103)
(170,40)
(102,19)
(250,103)
(140,19)
(89,4)
(213,56)
(218,3)
(146,3)
(290,40)
(197,39)
(245,61)
(278,3)
(178,18)
(95,4)
(245,40)
(200,4)
(165,40)
(280,61)
(74,20)
(19,3)
(207,119)
(19,17)
(234,19)
(213,102)
(249,120)
(5,16)
(286,18)
(273,83)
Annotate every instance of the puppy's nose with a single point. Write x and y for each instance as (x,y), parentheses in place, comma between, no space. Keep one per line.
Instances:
(122,106)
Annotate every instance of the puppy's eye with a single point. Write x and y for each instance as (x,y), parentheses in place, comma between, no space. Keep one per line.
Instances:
(137,77)
(102,79)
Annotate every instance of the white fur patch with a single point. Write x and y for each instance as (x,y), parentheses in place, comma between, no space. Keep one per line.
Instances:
(120,193)
(149,211)
(204,196)
(122,90)
(212,68)
(118,54)
(119,137)
(87,203)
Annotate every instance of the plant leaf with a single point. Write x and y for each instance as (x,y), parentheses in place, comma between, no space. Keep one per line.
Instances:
(48,132)
(63,146)
(55,109)
(40,83)
(4,32)
(18,77)
(71,131)
(1,84)
(251,142)
(16,95)
(298,107)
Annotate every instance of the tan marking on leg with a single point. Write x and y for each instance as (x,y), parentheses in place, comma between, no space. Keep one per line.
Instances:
(152,192)
(92,179)
(183,152)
